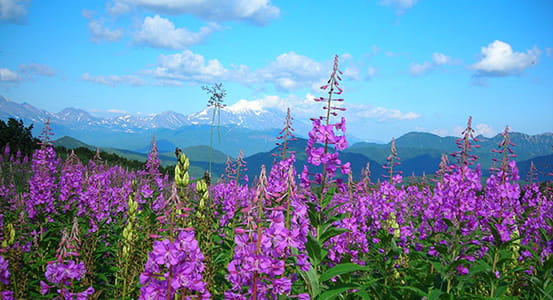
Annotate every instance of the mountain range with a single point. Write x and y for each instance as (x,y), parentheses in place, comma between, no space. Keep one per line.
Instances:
(250,130)
(253,131)
(200,156)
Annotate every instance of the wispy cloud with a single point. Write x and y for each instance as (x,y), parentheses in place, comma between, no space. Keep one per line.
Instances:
(438,59)
(188,66)
(99,32)
(7,75)
(420,69)
(13,11)
(158,32)
(306,107)
(381,114)
(499,59)
(399,5)
(37,69)
(480,129)
(115,80)
(287,72)
(291,71)
(259,12)
(25,72)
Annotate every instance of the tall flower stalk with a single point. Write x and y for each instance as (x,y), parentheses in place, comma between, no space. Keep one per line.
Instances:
(286,135)
(216,94)
(323,133)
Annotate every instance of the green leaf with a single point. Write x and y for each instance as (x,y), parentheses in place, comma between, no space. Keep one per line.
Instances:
(331,232)
(334,292)
(496,235)
(364,295)
(481,267)
(500,291)
(435,294)
(418,291)
(342,269)
(313,214)
(448,222)
(311,280)
(328,196)
(368,284)
(314,248)
(438,266)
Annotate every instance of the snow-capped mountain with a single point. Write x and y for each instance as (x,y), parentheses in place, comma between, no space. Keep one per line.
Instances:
(26,112)
(244,126)
(75,115)
(78,119)
(170,119)
(251,129)
(247,118)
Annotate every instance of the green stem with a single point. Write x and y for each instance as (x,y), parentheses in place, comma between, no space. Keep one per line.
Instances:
(211,140)
(495,259)
(327,121)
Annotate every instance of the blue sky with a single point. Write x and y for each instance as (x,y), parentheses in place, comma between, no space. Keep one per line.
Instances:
(423,65)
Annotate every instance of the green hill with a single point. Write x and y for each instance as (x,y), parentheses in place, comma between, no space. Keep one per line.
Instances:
(71,143)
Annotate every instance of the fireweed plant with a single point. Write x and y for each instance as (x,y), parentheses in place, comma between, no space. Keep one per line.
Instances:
(77,230)
(216,94)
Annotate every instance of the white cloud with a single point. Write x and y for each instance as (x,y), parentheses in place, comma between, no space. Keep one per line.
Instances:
(346,56)
(420,69)
(114,80)
(7,75)
(13,11)
(440,58)
(371,72)
(99,31)
(26,72)
(259,12)
(188,66)
(302,108)
(382,114)
(290,70)
(257,105)
(107,112)
(399,5)
(294,64)
(37,69)
(499,59)
(306,107)
(159,32)
(480,129)
(374,50)
(352,73)
(485,130)
(549,51)
(440,131)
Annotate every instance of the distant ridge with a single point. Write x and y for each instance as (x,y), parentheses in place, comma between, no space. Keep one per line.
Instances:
(71,143)
(250,130)
(420,161)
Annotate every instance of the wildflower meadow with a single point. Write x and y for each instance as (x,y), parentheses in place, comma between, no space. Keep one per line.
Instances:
(74,230)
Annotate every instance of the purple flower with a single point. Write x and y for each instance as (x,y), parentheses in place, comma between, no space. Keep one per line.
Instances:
(462,270)
(4,271)
(7,295)
(62,272)
(181,260)
(433,252)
